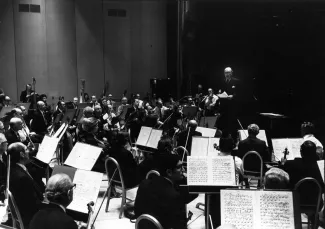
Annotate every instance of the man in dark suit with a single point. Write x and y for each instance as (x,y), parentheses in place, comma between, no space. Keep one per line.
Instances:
(252,143)
(26,94)
(59,193)
(27,193)
(12,134)
(185,137)
(161,196)
(40,120)
(134,118)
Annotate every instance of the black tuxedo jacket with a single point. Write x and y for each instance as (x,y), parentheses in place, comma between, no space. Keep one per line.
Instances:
(253,144)
(26,192)
(12,137)
(52,217)
(163,200)
(38,124)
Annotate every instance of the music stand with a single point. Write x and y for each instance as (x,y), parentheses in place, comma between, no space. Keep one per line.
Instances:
(208,121)
(190,111)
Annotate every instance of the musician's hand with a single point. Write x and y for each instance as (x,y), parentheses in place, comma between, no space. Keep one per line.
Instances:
(283,161)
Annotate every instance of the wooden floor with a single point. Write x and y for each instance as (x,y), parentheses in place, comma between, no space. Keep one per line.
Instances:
(111,219)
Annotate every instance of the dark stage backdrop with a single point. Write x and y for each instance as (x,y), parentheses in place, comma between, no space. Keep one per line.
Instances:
(277,50)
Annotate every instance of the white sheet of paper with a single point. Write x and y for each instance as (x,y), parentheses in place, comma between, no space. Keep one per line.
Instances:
(321,168)
(211,150)
(154,138)
(83,156)
(223,95)
(144,136)
(46,151)
(294,148)
(279,145)
(243,134)
(58,132)
(87,189)
(206,132)
(199,146)
(216,170)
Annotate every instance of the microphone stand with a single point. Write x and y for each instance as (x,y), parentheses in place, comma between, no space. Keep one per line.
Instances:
(105,194)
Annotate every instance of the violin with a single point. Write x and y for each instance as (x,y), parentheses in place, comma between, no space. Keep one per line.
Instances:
(285,152)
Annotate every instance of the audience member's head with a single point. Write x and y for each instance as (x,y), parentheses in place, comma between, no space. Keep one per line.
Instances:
(165,145)
(88,112)
(308,151)
(307,128)
(227,226)
(170,166)
(226,143)
(41,105)
(253,130)
(18,153)
(16,124)
(3,143)
(192,124)
(276,178)
(90,125)
(59,189)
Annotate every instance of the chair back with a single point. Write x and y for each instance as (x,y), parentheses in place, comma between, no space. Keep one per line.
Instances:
(310,192)
(16,217)
(113,171)
(151,172)
(147,221)
(249,170)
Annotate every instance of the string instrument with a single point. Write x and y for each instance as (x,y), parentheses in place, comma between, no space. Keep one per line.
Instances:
(215,146)
(285,152)
(90,212)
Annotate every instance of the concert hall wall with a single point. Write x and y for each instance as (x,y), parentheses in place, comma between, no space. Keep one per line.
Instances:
(71,40)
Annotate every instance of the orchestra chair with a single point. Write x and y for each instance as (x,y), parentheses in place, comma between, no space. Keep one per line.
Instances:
(151,172)
(146,221)
(308,206)
(16,217)
(252,175)
(117,183)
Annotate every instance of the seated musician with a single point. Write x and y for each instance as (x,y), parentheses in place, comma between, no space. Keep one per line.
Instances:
(161,197)
(26,191)
(226,145)
(3,165)
(125,160)
(185,137)
(24,115)
(190,102)
(252,143)
(43,98)
(134,118)
(7,101)
(94,101)
(104,105)
(14,133)
(124,102)
(152,119)
(160,110)
(2,128)
(210,103)
(61,108)
(59,193)
(40,120)
(303,167)
(75,103)
(25,95)
(110,100)
(307,132)
(276,178)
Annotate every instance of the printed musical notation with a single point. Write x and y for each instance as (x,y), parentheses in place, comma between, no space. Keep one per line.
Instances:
(292,144)
(204,146)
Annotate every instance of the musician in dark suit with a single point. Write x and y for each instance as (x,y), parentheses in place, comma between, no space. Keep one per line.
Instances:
(59,192)
(161,197)
(27,193)
(228,95)
(25,95)
(134,118)
(185,137)
(12,134)
(3,165)
(252,143)
(40,120)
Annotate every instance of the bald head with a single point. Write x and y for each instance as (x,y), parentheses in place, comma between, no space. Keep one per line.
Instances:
(16,124)
(17,111)
(58,189)
(192,124)
(18,154)
(228,72)
(41,105)
(88,112)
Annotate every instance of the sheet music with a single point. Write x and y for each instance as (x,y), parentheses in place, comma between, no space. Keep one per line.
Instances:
(199,146)
(223,95)
(57,133)
(154,138)
(279,146)
(217,170)
(321,168)
(87,189)
(46,151)
(243,134)
(197,170)
(223,171)
(211,150)
(83,156)
(206,132)
(276,210)
(294,150)
(144,136)
(237,208)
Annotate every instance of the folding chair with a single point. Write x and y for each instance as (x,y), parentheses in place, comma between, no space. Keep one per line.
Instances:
(249,174)
(113,181)
(309,202)
(147,222)
(16,217)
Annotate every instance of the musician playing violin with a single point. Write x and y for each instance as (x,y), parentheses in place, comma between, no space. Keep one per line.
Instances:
(211,103)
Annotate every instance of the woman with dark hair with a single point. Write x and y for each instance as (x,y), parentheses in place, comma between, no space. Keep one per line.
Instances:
(25,95)
(86,98)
